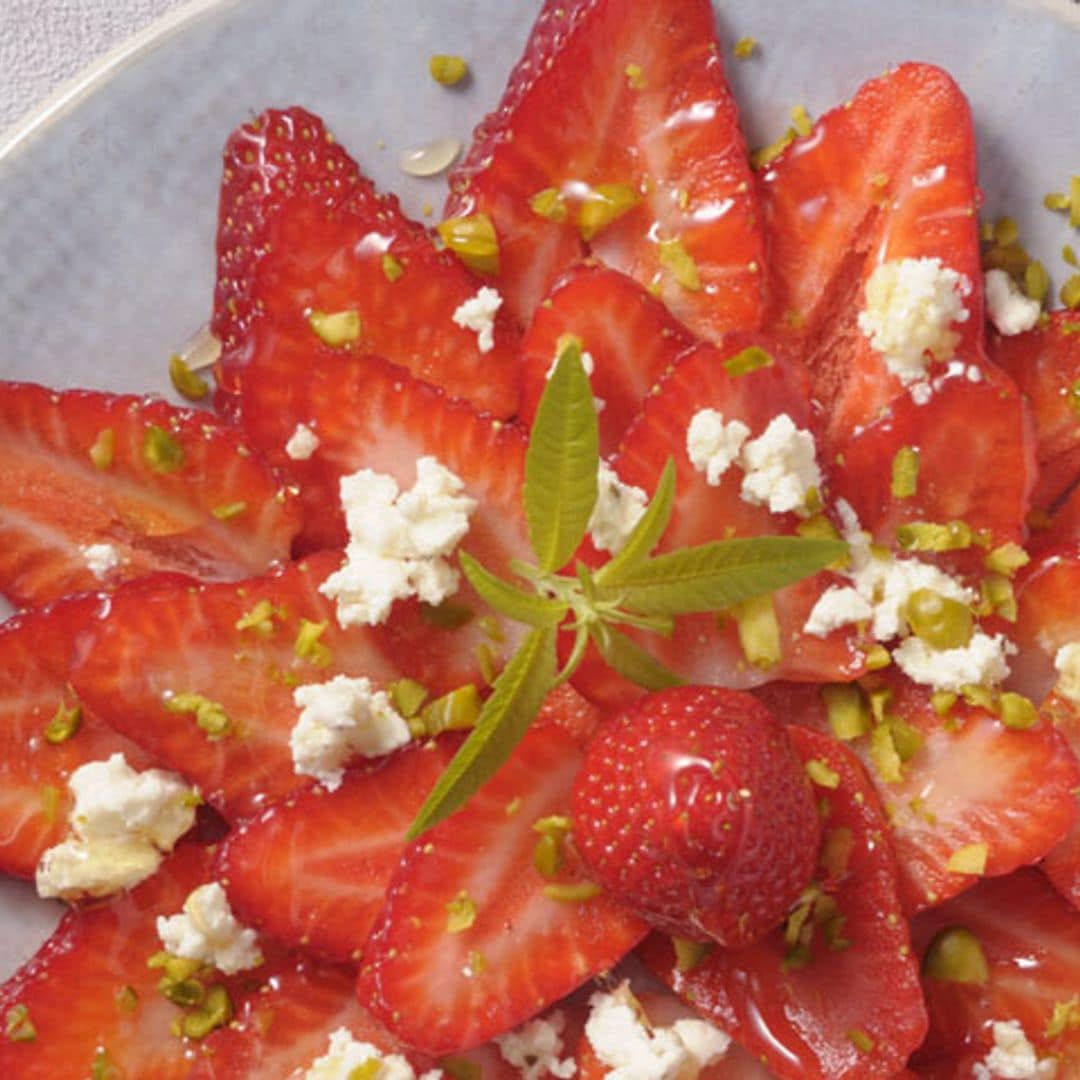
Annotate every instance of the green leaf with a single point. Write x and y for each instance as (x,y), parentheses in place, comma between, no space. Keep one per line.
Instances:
(516,698)
(562,462)
(509,599)
(647,532)
(631,661)
(714,576)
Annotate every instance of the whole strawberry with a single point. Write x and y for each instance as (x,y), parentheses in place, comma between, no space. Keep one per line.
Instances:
(693,809)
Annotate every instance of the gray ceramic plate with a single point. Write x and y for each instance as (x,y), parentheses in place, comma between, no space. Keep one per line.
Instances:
(108,195)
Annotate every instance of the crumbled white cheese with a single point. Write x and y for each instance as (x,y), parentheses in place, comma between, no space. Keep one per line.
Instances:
(618,509)
(398,541)
(303,442)
(206,930)
(713,445)
(122,823)
(836,607)
(633,1051)
(346,1054)
(911,308)
(1009,309)
(780,467)
(339,719)
(981,662)
(478,314)
(100,559)
(535,1048)
(1067,666)
(1013,1057)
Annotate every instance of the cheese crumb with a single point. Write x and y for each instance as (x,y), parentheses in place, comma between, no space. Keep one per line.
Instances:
(121,825)
(206,930)
(347,1057)
(981,662)
(1009,309)
(1013,1057)
(922,392)
(781,467)
(713,445)
(100,558)
(478,314)
(1067,665)
(912,306)
(398,541)
(618,509)
(303,442)
(534,1049)
(339,719)
(836,607)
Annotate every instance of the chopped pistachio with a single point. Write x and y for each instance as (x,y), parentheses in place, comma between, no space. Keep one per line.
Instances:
(1056,200)
(575,892)
(884,755)
(366,1070)
(1036,281)
(215,1012)
(906,739)
(765,154)
(549,855)
(20,1028)
(940,621)
(759,631)
(905,472)
(820,774)
(1068,253)
(860,1040)
(800,120)
(675,258)
(999,597)
(103,451)
(407,696)
(392,267)
(102,1067)
(448,615)
(309,646)
(880,700)
(64,724)
(187,993)
(1007,559)
(260,619)
(752,358)
(549,204)
(228,511)
(942,701)
(473,240)
(1065,1017)
(849,716)
(982,697)
(604,204)
(447,70)
(744,48)
(189,384)
(1016,711)
(460,913)
(1006,231)
(209,715)
(689,954)
(836,849)
(956,955)
(635,77)
(969,859)
(50,803)
(932,536)
(337,328)
(461,1068)
(1074,201)
(1070,292)
(161,451)
(457,710)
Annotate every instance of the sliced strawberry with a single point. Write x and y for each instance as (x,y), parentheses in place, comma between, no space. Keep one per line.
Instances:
(70,988)
(444,987)
(630,335)
(976,460)
(302,230)
(889,175)
(313,870)
(784,1003)
(168,489)
(1030,938)
(1045,364)
(1062,863)
(630,93)
(1063,528)
(175,637)
(35,651)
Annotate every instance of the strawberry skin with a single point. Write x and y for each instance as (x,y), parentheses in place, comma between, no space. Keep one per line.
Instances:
(174,636)
(442,991)
(312,870)
(300,230)
(693,810)
(795,1015)
(632,93)
(172,490)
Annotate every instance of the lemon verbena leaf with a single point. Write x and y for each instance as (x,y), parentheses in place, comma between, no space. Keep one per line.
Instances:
(509,599)
(714,576)
(625,657)
(562,462)
(646,533)
(516,698)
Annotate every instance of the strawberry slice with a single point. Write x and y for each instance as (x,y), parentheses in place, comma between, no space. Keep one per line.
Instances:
(629,334)
(174,637)
(1045,364)
(468,944)
(1062,863)
(1030,938)
(99,488)
(37,753)
(781,1001)
(889,175)
(1063,528)
(632,94)
(301,230)
(313,870)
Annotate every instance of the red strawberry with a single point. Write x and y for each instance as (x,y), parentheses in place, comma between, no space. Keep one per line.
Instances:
(1063,528)
(839,998)
(468,944)
(1030,939)
(1045,364)
(1062,863)
(312,870)
(302,230)
(175,637)
(629,334)
(890,175)
(36,700)
(693,810)
(163,488)
(626,93)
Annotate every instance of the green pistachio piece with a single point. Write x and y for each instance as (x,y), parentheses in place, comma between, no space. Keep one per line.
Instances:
(956,955)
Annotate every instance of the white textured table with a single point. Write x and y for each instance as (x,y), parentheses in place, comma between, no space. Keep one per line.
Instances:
(45,42)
